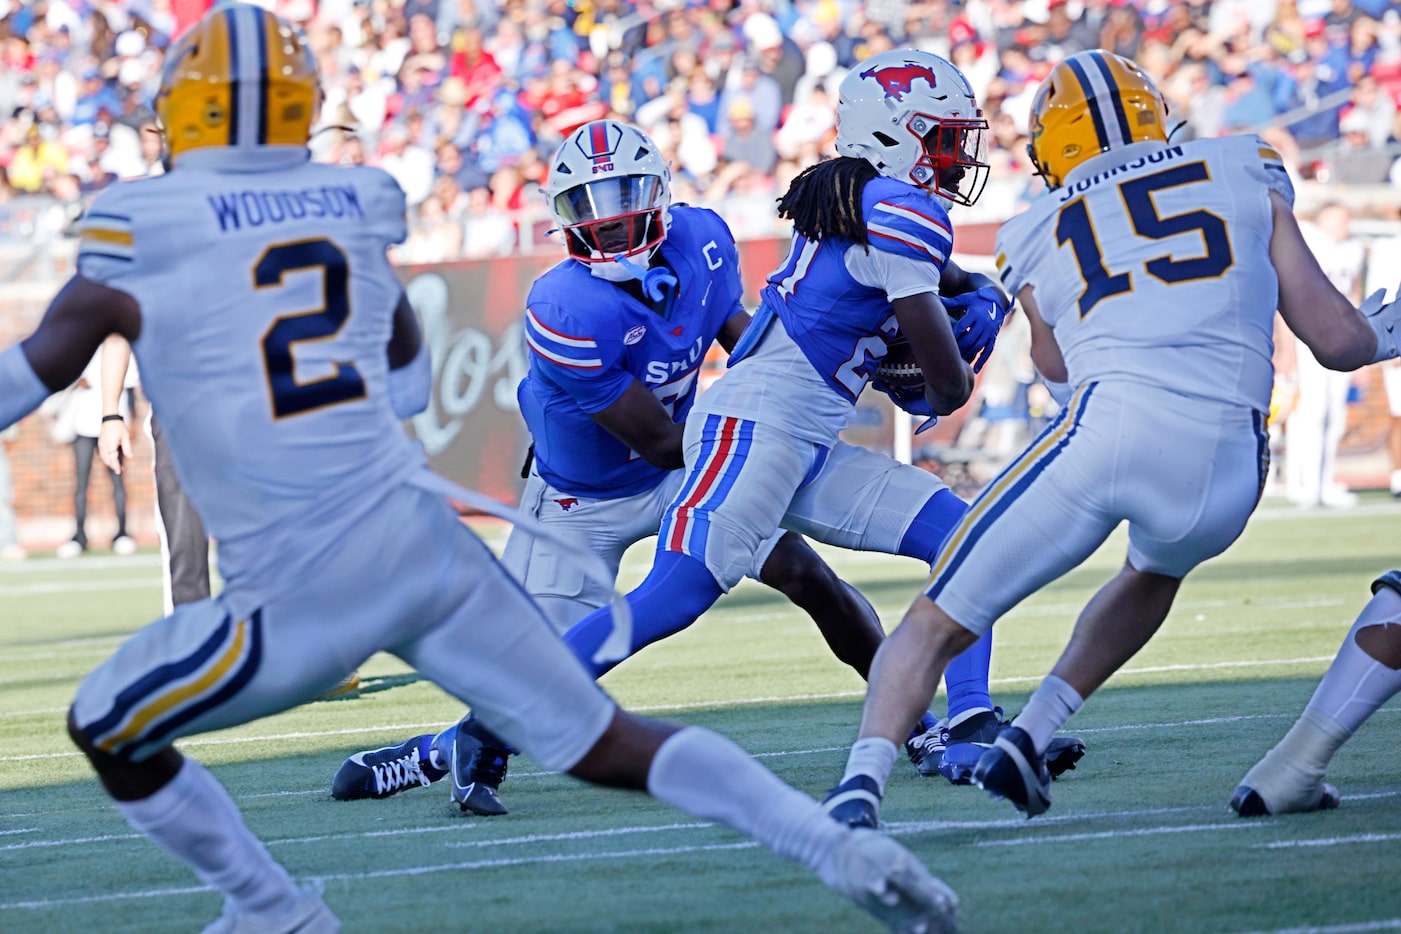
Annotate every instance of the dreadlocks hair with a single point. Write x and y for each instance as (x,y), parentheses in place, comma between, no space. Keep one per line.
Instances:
(825,199)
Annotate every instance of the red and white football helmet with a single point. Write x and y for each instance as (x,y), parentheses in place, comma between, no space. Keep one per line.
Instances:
(912,115)
(609,190)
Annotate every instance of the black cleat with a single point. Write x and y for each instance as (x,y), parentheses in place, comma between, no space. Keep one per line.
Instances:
(380,773)
(855,802)
(1011,769)
(478,765)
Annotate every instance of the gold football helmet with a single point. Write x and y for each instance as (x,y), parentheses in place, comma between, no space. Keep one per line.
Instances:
(1091,103)
(240,77)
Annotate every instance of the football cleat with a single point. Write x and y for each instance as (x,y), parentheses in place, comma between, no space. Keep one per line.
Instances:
(1247,802)
(967,742)
(381,773)
(309,916)
(963,744)
(478,764)
(855,802)
(886,880)
(926,742)
(1011,769)
(1279,784)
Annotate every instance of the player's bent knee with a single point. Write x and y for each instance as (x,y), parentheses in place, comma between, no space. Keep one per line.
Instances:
(126,780)
(623,755)
(1382,642)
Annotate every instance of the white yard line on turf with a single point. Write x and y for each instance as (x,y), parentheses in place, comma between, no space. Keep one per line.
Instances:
(1120,834)
(40,588)
(410,728)
(1382,924)
(1329,841)
(895,829)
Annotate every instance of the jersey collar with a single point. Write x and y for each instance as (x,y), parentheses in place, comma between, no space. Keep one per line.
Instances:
(234,159)
(1108,160)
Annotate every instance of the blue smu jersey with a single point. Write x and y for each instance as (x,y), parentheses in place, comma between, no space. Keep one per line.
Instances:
(589,339)
(824,293)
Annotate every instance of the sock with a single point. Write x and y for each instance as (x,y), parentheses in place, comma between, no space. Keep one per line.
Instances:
(966,715)
(1050,706)
(194,819)
(707,776)
(931,525)
(1396,483)
(966,679)
(873,756)
(675,593)
(1356,684)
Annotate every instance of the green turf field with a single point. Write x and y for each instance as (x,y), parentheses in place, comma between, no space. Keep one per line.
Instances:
(1138,838)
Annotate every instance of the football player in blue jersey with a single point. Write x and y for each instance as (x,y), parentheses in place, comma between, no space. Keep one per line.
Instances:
(868,263)
(616,335)
(288,441)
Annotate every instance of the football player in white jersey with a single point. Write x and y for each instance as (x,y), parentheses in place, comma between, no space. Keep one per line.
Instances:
(281,354)
(1150,273)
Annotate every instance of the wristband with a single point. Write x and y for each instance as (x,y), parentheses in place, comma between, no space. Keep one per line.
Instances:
(112,418)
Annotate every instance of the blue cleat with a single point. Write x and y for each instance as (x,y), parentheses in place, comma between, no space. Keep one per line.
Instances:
(966,743)
(381,773)
(1011,769)
(855,802)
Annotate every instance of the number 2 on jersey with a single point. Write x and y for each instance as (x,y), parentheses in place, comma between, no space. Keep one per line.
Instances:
(290,396)
(1075,227)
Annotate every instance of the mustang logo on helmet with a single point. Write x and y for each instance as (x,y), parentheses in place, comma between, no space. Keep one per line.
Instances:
(899,80)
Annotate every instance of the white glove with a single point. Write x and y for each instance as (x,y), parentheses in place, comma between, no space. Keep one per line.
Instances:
(1385,321)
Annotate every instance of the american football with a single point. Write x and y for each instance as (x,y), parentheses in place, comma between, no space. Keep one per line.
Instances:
(898,368)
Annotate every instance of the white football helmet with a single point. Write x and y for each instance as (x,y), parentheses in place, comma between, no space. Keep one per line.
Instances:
(912,115)
(609,190)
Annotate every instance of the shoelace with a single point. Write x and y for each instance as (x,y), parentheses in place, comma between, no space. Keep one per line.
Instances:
(397,773)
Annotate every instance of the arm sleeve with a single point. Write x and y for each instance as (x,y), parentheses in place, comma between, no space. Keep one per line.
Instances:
(1267,167)
(899,274)
(388,206)
(107,240)
(564,353)
(913,226)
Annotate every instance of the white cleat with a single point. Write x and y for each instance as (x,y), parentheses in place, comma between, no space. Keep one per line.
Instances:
(1279,785)
(889,882)
(310,916)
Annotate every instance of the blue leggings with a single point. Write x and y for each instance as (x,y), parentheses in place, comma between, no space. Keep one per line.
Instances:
(967,676)
(679,589)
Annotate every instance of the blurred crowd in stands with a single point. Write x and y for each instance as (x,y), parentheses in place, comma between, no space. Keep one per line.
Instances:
(463,100)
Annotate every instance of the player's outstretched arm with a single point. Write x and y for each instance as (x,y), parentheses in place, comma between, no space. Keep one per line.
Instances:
(114,439)
(948,379)
(77,321)
(638,420)
(1321,316)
